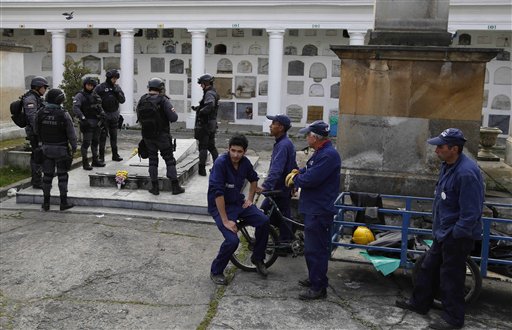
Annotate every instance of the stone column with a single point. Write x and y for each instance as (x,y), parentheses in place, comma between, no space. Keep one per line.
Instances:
(275,74)
(58,56)
(198,69)
(127,60)
(356,37)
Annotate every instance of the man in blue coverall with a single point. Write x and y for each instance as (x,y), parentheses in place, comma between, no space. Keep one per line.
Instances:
(226,204)
(320,183)
(282,162)
(457,212)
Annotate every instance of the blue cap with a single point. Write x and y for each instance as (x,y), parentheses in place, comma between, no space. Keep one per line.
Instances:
(452,136)
(317,127)
(282,119)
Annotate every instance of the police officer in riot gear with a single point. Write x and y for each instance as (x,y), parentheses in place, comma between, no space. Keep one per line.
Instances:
(54,127)
(206,121)
(155,113)
(31,104)
(111,95)
(87,108)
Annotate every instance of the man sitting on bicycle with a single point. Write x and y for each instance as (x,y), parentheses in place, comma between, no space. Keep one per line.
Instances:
(282,162)
(226,204)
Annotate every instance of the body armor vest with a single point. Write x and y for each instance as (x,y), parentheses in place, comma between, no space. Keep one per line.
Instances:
(87,110)
(52,125)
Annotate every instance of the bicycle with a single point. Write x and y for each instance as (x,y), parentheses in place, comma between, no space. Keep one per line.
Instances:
(241,258)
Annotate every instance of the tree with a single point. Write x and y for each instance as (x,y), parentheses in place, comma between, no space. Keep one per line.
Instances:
(74,71)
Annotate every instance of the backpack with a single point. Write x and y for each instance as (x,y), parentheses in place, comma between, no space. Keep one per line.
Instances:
(18,113)
(149,118)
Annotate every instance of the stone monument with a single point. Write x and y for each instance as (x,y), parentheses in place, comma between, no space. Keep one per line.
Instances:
(405,86)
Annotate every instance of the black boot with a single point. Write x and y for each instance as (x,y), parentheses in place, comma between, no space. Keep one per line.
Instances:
(176,188)
(85,164)
(155,190)
(202,170)
(97,163)
(64,205)
(102,156)
(46,203)
(115,155)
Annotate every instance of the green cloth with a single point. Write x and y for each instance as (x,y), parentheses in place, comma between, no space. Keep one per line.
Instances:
(385,265)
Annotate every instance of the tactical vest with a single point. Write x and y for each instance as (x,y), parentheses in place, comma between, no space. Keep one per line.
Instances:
(87,110)
(213,114)
(108,97)
(158,102)
(52,125)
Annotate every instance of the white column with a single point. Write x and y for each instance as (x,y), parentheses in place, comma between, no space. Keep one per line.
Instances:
(58,56)
(126,75)
(356,37)
(275,74)
(198,69)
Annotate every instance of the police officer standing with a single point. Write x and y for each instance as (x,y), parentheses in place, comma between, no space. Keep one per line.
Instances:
(31,103)
(87,107)
(111,95)
(457,223)
(206,121)
(56,132)
(320,183)
(155,113)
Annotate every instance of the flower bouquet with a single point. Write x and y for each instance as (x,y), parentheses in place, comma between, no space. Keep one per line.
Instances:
(121,176)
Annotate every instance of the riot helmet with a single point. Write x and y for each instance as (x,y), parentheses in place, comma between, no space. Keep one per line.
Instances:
(206,78)
(156,84)
(38,81)
(90,80)
(112,73)
(55,96)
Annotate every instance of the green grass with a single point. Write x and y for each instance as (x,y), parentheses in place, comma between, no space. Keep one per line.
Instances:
(10,175)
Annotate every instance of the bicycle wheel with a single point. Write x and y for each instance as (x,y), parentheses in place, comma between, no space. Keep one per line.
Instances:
(242,256)
(472,285)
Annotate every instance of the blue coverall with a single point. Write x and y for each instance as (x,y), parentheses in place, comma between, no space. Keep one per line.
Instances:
(457,212)
(320,183)
(227,181)
(282,162)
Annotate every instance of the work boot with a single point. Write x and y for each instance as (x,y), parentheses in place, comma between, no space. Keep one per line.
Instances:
(155,190)
(311,294)
(260,267)
(202,170)
(115,155)
(64,205)
(97,163)
(176,188)
(46,203)
(85,164)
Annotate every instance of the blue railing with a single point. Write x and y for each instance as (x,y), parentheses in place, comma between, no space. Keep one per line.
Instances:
(406,213)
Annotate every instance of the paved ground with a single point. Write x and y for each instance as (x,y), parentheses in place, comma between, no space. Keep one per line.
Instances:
(105,271)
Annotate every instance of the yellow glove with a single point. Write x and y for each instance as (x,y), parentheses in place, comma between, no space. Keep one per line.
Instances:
(289,178)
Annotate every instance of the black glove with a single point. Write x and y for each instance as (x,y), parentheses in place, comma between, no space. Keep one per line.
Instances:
(117,89)
(194,107)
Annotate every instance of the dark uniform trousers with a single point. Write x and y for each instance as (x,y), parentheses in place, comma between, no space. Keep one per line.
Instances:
(444,268)
(163,144)
(252,216)
(206,142)
(285,228)
(317,237)
(62,165)
(91,135)
(35,168)
(110,127)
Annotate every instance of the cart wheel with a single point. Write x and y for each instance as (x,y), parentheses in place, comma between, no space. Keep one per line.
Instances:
(473,283)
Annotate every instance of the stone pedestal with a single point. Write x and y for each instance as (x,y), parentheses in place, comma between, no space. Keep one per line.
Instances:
(508,151)
(392,99)
(488,138)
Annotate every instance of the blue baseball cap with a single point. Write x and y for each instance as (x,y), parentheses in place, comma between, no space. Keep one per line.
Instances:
(282,119)
(317,127)
(452,136)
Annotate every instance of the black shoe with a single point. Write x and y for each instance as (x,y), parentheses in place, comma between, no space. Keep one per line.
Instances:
(37,186)
(86,166)
(176,188)
(441,324)
(116,158)
(260,267)
(45,207)
(97,163)
(66,206)
(202,170)
(155,189)
(406,304)
(218,279)
(311,294)
(306,283)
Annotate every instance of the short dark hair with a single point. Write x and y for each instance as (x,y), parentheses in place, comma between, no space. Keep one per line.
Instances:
(459,150)
(238,140)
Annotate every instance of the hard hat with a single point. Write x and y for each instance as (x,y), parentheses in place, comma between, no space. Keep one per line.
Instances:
(362,235)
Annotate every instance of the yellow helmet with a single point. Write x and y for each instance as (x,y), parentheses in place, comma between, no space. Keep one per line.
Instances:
(362,235)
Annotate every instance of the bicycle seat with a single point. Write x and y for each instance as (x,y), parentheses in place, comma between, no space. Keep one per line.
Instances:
(271,193)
